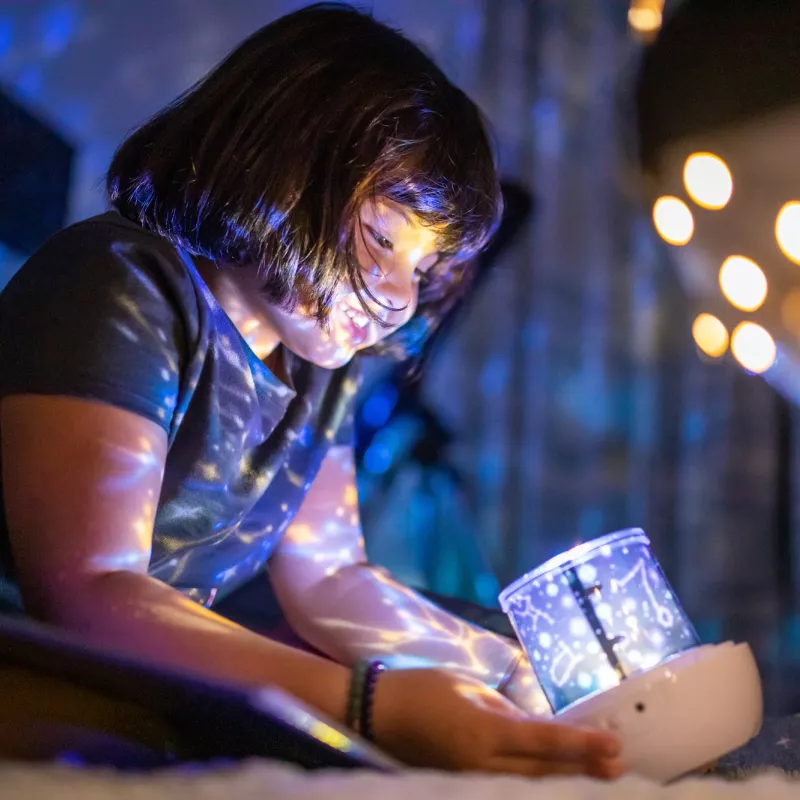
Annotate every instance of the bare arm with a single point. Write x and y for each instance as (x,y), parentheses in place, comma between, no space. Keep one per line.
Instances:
(81,484)
(350,610)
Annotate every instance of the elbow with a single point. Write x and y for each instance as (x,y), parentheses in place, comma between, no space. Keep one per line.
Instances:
(314,612)
(307,620)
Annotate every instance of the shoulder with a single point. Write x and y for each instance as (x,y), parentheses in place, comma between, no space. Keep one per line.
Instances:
(110,237)
(107,258)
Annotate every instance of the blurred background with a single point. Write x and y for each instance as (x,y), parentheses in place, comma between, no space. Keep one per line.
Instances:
(569,399)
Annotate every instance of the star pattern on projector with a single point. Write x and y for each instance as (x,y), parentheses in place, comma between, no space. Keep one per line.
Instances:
(524,607)
(663,614)
(626,608)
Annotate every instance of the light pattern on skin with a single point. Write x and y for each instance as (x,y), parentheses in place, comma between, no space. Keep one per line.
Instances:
(351,610)
(128,469)
(334,599)
(243,445)
(392,276)
(271,490)
(630,614)
(246,448)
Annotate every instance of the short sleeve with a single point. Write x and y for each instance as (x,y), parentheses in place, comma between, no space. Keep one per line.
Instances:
(97,314)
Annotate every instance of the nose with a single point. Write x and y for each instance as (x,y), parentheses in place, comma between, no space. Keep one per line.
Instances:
(397,295)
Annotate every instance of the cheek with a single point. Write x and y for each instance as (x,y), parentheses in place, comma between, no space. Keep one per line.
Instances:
(412,306)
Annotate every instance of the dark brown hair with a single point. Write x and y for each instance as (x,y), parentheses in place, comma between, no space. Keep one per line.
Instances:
(269,158)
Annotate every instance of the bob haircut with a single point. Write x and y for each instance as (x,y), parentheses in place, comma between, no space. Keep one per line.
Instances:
(270,157)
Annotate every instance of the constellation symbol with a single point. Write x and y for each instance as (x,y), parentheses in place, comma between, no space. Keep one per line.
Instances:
(524,608)
(572,659)
(663,614)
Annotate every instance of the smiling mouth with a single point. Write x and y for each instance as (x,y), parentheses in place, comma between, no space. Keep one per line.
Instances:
(356,322)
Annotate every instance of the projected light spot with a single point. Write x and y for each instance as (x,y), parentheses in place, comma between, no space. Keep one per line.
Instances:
(753,347)
(787,231)
(743,283)
(708,180)
(673,220)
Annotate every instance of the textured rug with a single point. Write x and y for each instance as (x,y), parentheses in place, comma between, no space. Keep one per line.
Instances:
(260,780)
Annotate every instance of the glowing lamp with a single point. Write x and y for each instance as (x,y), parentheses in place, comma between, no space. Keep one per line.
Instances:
(613,649)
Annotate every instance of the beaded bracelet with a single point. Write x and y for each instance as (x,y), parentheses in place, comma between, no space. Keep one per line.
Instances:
(362,689)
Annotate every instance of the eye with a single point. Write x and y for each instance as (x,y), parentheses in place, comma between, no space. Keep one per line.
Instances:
(381,241)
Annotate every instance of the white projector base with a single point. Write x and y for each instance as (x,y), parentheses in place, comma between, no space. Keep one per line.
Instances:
(681,715)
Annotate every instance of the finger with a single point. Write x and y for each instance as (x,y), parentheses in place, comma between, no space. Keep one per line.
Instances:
(534,767)
(552,741)
(609,769)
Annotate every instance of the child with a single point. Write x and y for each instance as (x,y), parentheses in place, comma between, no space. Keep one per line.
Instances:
(177,382)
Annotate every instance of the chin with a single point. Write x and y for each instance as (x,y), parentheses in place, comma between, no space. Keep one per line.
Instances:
(328,353)
(334,361)
(327,358)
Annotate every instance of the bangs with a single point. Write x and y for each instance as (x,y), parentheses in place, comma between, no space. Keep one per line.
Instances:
(450,184)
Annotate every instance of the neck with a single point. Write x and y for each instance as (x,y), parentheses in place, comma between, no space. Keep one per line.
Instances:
(236,292)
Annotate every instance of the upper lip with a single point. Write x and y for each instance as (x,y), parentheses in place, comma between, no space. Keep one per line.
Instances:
(357,316)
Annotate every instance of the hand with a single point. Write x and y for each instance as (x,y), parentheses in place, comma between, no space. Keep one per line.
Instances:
(524,690)
(433,718)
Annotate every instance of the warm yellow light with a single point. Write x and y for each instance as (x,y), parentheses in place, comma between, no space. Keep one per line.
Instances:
(710,335)
(644,20)
(790,311)
(708,180)
(743,283)
(753,347)
(673,220)
(787,231)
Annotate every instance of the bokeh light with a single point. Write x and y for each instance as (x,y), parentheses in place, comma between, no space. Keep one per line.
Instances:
(787,231)
(743,283)
(708,180)
(753,347)
(790,311)
(710,335)
(644,20)
(673,220)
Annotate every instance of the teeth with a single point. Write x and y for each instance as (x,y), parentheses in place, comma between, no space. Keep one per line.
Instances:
(358,318)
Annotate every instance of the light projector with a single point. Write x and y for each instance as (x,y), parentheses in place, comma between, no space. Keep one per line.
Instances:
(613,649)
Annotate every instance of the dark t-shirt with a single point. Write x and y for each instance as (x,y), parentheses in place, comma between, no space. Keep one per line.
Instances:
(111,312)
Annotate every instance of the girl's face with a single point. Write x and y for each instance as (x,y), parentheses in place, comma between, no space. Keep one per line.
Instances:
(394,249)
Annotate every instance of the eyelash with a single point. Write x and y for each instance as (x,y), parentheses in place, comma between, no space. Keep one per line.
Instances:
(381,241)
(385,244)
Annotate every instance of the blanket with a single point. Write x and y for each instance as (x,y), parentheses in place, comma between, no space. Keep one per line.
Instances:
(261,779)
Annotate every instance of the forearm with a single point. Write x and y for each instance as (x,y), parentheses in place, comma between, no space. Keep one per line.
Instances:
(361,612)
(139,616)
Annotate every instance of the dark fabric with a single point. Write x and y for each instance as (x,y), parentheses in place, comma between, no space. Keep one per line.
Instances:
(776,746)
(110,312)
